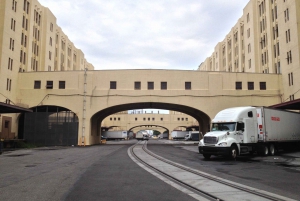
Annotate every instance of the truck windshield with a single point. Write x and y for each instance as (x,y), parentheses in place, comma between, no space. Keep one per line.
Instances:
(223,126)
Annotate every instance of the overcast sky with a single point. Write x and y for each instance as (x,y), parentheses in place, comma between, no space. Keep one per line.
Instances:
(146,34)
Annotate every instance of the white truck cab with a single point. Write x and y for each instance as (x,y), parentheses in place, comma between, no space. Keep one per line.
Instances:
(230,128)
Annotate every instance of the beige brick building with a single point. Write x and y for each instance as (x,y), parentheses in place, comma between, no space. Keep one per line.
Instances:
(264,40)
(30,40)
(41,69)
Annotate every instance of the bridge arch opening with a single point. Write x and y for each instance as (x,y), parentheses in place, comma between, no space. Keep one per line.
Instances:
(49,125)
(202,118)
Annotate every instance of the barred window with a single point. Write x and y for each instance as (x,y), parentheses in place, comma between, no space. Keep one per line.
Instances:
(137,85)
(150,85)
(113,85)
(238,85)
(164,86)
(37,84)
(49,85)
(262,86)
(188,85)
(250,85)
(62,85)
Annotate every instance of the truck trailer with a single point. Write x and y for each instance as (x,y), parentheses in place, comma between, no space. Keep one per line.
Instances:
(178,134)
(114,135)
(192,135)
(242,130)
(142,135)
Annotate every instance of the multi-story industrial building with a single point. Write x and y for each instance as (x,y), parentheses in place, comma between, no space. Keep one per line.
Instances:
(266,39)
(30,40)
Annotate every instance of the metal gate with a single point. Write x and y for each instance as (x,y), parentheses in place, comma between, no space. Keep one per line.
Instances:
(51,126)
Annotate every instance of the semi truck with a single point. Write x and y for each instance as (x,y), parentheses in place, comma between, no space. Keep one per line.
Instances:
(178,134)
(192,135)
(164,135)
(142,135)
(248,130)
(114,135)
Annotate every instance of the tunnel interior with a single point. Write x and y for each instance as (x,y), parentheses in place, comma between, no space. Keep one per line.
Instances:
(202,118)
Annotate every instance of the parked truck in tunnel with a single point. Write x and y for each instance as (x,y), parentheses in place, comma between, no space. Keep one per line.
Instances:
(242,130)
(114,135)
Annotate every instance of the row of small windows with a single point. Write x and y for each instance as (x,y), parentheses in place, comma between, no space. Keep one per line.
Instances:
(150,85)
(262,85)
(144,119)
(49,84)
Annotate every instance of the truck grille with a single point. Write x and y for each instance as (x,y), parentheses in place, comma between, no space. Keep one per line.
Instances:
(210,140)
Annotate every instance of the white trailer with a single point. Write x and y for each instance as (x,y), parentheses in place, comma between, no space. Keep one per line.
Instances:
(164,135)
(192,135)
(178,134)
(113,135)
(241,130)
(142,135)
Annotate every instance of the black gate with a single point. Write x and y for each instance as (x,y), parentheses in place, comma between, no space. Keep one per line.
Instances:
(51,126)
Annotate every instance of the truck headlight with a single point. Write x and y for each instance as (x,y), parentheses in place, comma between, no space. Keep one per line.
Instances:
(223,144)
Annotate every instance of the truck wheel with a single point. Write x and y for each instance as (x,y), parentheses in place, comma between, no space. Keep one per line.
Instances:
(271,150)
(207,156)
(265,150)
(233,152)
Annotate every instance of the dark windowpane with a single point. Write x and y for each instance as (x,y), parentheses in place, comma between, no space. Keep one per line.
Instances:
(250,85)
(37,84)
(62,84)
(150,85)
(49,85)
(238,85)
(188,85)
(262,86)
(113,85)
(163,85)
(137,85)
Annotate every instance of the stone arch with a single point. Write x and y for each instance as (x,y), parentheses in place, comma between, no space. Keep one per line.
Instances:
(202,118)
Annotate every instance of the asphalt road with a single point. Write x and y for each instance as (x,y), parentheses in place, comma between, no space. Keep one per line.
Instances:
(278,174)
(105,172)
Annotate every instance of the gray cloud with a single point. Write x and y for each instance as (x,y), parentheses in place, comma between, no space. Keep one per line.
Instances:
(120,34)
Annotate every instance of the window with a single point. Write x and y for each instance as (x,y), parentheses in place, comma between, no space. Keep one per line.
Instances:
(135,119)
(144,119)
(37,84)
(250,85)
(14,5)
(178,119)
(150,85)
(161,119)
(163,86)
(188,85)
(292,97)
(119,118)
(51,27)
(49,85)
(262,86)
(153,119)
(137,85)
(186,119)
(110,119)
(288,36)
(289,57)
(113,85)
(286,15)
(249,63)
(238,85)
(62,84)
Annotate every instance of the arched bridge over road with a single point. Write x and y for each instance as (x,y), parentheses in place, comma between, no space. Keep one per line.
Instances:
(93,95)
